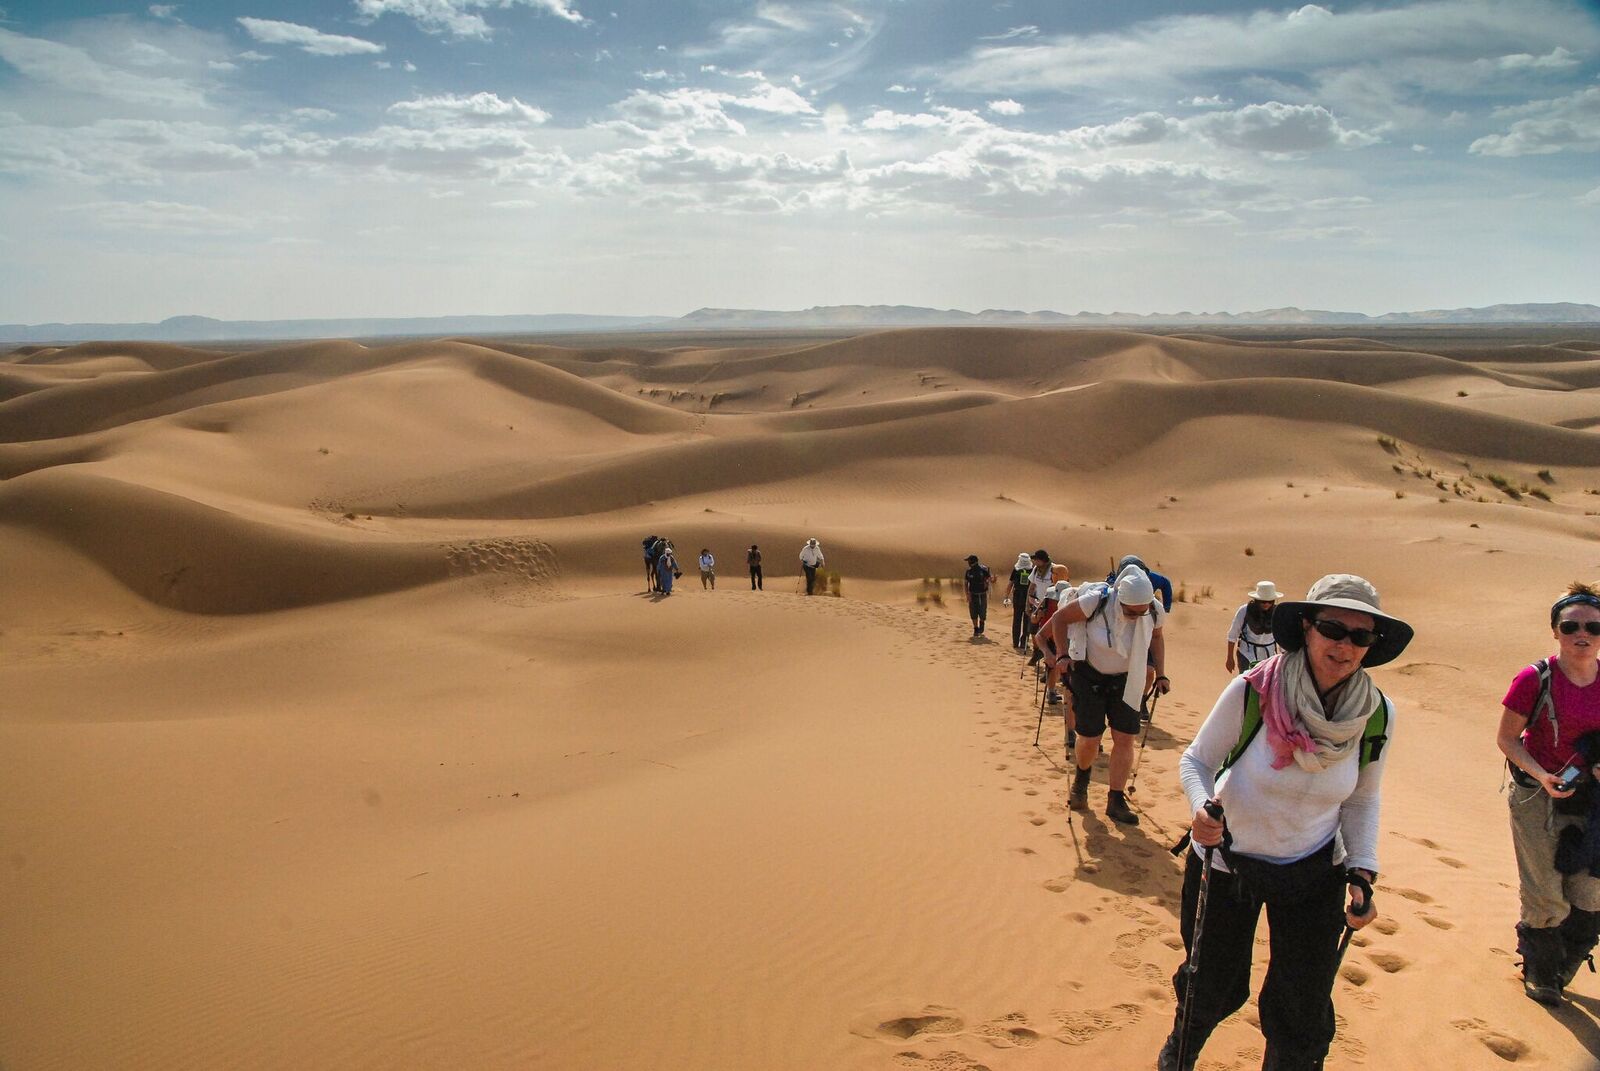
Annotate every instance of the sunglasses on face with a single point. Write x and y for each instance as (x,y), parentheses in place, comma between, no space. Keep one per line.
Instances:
(1570,628)
(1337,630)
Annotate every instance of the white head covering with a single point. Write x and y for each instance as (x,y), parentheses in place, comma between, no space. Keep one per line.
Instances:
(1023,561)
(1132,636)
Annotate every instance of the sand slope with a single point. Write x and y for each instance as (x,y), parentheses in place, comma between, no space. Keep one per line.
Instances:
(338,733)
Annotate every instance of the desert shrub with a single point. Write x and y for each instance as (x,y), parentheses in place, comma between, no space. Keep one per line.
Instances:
(1389,444)
(1544,474)
(1249,552)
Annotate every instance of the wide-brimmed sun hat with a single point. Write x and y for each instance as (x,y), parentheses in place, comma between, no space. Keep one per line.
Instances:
(1352,593)
(1266,591)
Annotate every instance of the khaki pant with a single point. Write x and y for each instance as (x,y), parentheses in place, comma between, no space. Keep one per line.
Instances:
(1547,894)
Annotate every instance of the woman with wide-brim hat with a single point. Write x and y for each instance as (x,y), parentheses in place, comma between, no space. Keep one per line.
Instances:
(1548,716)
(1293,752)
(1250,638)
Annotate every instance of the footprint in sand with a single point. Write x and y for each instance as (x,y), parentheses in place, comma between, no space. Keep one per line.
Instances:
(1409,894)
(1355,974)
(932,1021)
(1389,962)
(1437,923)
(1503,1045)
(1454,864)
(1082,1027)
(1386,926)
(944,1061)
(1009,1032)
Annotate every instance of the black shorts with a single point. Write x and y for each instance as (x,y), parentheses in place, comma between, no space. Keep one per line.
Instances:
(1097,699)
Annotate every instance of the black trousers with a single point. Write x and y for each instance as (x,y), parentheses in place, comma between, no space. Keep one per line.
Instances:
(978,605)
(755,577)
(811,576)
(1019,622)
(1297,996)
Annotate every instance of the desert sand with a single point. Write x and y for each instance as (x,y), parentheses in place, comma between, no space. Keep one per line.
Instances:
(339,732)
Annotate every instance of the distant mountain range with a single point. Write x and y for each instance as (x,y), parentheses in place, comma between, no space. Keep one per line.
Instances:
(205,329)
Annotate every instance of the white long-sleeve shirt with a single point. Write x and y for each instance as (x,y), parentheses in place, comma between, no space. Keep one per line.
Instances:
(1283,815)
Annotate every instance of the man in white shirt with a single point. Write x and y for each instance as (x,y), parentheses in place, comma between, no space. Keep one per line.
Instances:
(811,560)
(1122,635)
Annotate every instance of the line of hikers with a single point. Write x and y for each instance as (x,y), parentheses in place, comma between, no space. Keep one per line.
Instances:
(1282,778)
(661,565)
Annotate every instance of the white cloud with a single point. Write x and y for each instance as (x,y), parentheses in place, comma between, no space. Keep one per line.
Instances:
(778,100)
(121,150)
(1013,34)
(457,17)
(898,88)
(273,32)
(314,115)
(1590,198)
(1550,126)
(655,76)
(1279,128)
(74,69)
(1556,59)
(1308,40)
(163,11)
(1005,107)
(479,107)
(1213,101)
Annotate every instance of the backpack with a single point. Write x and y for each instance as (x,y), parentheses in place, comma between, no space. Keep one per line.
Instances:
(1545,702)
(1373,737)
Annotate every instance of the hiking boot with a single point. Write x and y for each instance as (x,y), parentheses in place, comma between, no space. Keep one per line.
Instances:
(1580,932)
(1078,797)
(1117,809)
(1054,698)
(1542,958)
(1167,1058)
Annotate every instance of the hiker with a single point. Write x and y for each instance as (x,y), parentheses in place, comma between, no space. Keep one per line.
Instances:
(1293,752)
(1061,593)
(708,570)
(1250,635)
(752,558)
(666,568)
(1162,585)
(1039,581)
(978,581)
(1123,637)
(1017,598)
(1552,712)
(652,545)
(811,560)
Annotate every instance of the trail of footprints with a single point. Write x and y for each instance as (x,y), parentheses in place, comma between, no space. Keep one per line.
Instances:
(927,1039)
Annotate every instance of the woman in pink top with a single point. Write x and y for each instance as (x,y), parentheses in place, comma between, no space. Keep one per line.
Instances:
(1551,704)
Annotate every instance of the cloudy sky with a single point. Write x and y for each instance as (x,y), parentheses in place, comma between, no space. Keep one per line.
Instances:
(285,158)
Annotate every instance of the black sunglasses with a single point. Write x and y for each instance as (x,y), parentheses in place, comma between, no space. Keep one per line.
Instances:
(1337,630)
(1570,628)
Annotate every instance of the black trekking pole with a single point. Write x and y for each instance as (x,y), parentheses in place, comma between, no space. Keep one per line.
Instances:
(1151,698)
(1356,880)
(1191,966)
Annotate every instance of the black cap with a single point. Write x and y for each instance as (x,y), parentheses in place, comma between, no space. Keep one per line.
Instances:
(973,558)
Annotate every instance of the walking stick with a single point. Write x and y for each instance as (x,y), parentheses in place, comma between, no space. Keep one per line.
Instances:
(1359,882)
(1191,966)
(1151,699)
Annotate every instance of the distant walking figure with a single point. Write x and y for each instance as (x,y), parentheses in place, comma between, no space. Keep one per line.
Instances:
(708,569)
(666,569)
(652,550)
(752,557)
(1250,639)
(978,581)
(811,560)
(1017,599)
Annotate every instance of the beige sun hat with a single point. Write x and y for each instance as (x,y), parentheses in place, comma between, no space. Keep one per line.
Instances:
(1353,593)
(1266,591)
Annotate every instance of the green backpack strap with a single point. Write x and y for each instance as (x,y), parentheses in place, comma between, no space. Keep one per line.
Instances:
(1373,737)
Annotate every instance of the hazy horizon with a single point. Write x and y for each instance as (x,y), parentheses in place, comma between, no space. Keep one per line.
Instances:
(282,159)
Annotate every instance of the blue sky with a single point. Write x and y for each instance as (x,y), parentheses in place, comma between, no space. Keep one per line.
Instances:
(423,157)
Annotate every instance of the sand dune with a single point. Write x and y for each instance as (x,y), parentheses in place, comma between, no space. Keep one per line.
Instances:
(340,734)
